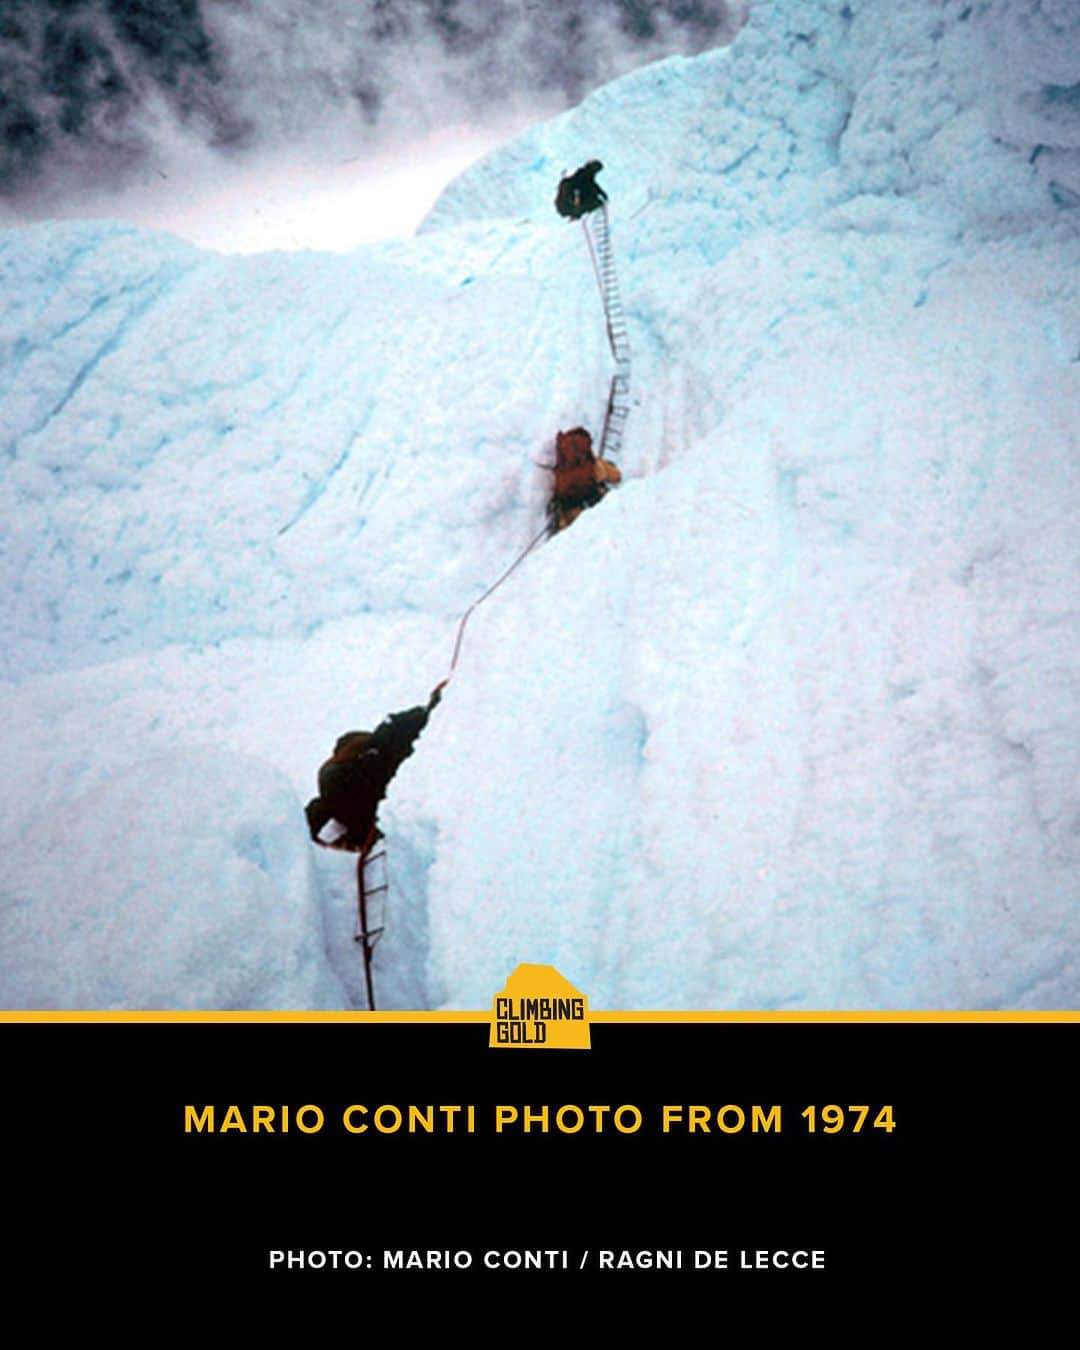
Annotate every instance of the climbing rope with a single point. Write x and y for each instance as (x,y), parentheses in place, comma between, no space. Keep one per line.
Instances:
(370,853)
(492,588)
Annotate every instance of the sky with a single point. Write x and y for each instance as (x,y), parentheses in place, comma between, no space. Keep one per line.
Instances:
(249,127)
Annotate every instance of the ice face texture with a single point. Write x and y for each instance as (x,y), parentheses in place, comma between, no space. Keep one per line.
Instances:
(789,720)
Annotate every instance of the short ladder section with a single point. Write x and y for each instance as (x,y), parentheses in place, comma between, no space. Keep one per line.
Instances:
(372,888)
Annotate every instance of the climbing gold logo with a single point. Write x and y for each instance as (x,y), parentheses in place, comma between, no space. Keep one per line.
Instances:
(538,1008)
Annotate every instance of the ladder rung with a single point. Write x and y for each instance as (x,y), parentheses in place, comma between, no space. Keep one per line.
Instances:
(599,235)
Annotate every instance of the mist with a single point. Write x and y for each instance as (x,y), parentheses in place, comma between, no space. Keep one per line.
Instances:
(236,121)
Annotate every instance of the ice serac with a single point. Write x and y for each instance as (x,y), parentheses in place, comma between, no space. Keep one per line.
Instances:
(166,888)
(195,445)
(805,699)
(1032,54)
(791,720)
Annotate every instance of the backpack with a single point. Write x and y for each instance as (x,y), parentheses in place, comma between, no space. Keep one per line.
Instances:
(568,199)
(575,470)
(580,193)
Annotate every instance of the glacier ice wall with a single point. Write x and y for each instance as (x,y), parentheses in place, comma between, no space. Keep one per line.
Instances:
(789,721)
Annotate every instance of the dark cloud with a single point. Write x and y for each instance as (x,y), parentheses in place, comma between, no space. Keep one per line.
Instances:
(75,75)
(95,90)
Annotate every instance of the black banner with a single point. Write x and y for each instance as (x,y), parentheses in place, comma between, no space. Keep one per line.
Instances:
(719,1159)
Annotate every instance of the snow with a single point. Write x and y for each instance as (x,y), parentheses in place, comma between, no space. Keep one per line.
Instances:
(129,935)
(789,721)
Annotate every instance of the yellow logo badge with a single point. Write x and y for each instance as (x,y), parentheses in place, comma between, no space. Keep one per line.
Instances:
(538,1008)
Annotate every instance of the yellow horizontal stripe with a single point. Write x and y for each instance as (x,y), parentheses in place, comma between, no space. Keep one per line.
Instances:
(657,1017)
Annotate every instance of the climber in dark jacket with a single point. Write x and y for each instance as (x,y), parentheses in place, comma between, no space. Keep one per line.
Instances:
(353,781)
(580,193)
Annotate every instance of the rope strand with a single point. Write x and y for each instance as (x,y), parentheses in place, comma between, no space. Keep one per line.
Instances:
(493,587)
